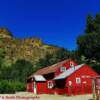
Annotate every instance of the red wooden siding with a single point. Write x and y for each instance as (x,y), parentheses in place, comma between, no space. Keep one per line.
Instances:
(85,73)
(50,90)
(41,87)
(30,87)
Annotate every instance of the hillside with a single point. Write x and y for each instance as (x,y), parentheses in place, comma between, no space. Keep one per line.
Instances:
(30,49)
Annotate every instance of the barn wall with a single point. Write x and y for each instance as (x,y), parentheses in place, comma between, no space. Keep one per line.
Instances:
(50,90)
(41,87)
(85,87)
(60,91)
(30,87)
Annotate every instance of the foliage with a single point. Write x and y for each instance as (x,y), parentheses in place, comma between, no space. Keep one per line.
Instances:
(74,54)
(89,43)
(50,59)
(5,87)
(19,86)
(13,78)
(11,86)
(96,68)
(2,55)
(21,70)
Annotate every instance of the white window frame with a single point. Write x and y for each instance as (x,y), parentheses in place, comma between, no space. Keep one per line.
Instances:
(50,84)
(62,69)
(78,80)
(71,64)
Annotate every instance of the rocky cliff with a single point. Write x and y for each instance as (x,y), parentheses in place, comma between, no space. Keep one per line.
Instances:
(31,49)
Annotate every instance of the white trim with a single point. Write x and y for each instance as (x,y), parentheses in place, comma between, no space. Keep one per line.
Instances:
(62,69)
(39,78)
(78,80)
(35,88)
(71,64)
(50,84)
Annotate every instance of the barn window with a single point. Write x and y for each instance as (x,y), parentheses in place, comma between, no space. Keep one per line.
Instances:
(71,64)
(78,80)
(62,69)
(50,84)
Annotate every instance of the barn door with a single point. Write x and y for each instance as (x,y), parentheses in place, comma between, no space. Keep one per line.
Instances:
(35,88)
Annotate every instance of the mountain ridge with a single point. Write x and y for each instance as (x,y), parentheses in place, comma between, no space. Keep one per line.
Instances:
(31,49)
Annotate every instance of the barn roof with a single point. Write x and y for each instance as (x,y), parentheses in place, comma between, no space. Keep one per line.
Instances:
(68,72)
(49,69)
(39,78)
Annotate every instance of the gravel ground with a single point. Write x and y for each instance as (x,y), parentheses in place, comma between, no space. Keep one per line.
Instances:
(30,96)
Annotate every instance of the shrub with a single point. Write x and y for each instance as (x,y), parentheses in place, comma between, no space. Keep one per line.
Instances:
(6,87)
(19,86)
(11,86)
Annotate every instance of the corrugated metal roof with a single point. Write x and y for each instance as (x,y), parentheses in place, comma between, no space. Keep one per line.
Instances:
(68,72)
(39,78)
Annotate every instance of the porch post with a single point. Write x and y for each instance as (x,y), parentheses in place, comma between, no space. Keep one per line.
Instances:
(93,88)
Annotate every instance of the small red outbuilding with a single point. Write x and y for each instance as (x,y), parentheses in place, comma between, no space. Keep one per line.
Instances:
(65,77)
(37,84)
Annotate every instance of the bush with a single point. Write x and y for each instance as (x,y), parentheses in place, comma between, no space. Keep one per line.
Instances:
(11,86)
(19,86)
(6,87)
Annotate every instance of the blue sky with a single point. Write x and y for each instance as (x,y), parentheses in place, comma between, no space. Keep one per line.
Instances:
(56,22)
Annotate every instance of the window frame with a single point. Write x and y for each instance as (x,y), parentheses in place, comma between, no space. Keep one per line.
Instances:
(78,80)
(62,69)
(50,84)
(71,64)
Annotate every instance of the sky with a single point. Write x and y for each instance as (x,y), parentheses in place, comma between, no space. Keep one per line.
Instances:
(56,22)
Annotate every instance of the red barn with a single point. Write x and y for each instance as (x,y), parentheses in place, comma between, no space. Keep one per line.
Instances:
(65,77)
